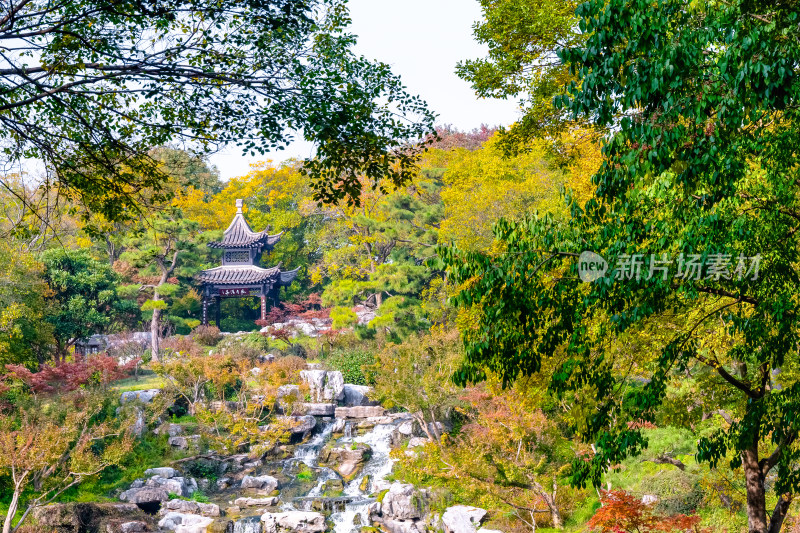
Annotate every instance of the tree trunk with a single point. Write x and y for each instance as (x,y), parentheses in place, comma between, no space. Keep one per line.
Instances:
(756,495)
(779,514)
(12,510)
(154,330)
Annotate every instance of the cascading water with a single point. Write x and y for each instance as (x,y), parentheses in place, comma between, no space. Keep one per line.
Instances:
(308,453)
(378,467)
(251,524)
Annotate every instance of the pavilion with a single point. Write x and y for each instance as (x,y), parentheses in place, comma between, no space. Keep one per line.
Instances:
(240,276)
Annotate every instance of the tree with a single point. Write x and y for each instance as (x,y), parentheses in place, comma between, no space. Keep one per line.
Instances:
(48,445)
(523,38)
(83,299)
(414,375)
(159,244)
(25,335)
(622,512)
(703,103)
(80,97)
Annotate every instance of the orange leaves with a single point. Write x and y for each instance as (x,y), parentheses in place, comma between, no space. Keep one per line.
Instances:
(623,512)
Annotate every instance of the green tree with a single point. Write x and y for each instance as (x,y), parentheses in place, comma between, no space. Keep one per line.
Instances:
(211,73)
(523,38)
(702,165)
(83,298)
(157,248)
(25,335)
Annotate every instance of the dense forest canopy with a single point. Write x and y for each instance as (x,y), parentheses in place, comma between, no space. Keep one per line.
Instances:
(442,333)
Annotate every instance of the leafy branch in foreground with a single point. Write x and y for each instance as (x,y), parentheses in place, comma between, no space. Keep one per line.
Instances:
(91,86)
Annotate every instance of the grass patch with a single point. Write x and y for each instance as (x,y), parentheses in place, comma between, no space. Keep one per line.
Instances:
(147,380)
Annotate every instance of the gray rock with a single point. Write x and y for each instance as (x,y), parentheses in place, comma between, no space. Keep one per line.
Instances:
(144,396)
(359,411)
(144,495)
(165,471)
(406,428)
(131,527)
(190,507)
(223,483)
(649,499)
(183,443)
(316,409)
(338,425)
(415,442)
(266,484)
(404,526)
(462,519)
(255,502)
(185,523)
(326,386)
(356,395)
(484,530)
(403,502)
(295,521)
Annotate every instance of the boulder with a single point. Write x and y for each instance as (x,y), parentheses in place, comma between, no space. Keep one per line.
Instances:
(462,519)
(484,530)
(415,442)
(297,425)
(346,461)
(190,507)
(289,390)
(294,521)
(326,386)
(185,523)
(165,471)
(406,428)
(255,502)
(403,502)
(361,411)
(144,396)
(357,395)
(404,526)
(316,409)
(183,443)
(263,484)
(144,495)
(134,526)
(100,517)
(338,425)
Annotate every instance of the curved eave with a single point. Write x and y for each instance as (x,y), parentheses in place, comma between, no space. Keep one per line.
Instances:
(286,278)
(228,275)
(255,240)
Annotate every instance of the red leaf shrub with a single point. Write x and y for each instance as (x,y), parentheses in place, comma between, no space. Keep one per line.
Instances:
(67,376)
(623,512)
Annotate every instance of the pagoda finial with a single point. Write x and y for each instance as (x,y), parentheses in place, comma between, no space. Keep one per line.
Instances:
(239,204)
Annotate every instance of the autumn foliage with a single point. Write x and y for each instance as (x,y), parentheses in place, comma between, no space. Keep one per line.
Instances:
(68,376)
(623,512)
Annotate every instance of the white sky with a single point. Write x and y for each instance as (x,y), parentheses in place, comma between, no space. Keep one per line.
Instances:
(422,40)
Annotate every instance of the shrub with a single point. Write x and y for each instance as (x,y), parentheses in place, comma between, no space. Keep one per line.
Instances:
(286,370)
(65,376)
(207,335)
(350,363)
(179,345)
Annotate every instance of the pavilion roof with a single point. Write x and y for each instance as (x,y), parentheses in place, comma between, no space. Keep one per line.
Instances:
(239,234)
(238,275)
(288,276)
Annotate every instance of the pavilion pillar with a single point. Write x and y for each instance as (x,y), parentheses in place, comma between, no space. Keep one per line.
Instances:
(263,306)
(205,310)
(219,310)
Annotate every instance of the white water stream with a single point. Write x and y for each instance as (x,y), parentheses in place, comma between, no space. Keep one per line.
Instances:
(377,467)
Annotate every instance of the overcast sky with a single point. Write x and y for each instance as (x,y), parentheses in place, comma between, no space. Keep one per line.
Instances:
(422,40)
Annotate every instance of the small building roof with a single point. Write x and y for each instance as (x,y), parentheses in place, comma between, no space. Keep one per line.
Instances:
(239,234)
(288,277)
(238,275)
